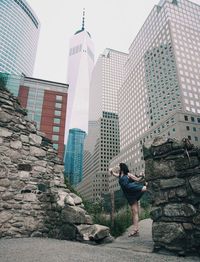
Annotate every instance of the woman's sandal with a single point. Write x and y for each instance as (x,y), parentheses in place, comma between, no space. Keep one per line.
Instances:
(135,233)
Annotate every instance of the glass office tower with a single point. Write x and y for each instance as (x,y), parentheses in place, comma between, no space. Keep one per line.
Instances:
(74,156)
(19,32)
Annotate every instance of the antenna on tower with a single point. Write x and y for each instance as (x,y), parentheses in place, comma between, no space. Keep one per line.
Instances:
(83,21)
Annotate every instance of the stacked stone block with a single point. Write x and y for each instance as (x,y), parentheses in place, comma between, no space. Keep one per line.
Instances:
(34,201)
(173,175)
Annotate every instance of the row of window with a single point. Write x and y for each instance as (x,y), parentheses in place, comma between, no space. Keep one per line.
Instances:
(56,129)
(192,119)
(195,138)
(27,11)
(58,105)
(193,128)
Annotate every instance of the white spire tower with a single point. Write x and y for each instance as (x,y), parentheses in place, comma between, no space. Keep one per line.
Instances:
(80,66)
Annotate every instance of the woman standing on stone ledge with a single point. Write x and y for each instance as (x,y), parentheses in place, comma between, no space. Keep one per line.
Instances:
(133,191)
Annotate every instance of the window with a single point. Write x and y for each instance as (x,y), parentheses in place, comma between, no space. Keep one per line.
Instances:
(192,119)
(187,128)
(186,118)
(196,138)
(37,117)
(57,113)
(55,137)
(194,129)
(56,120)
(58,105)
(189,137)
(56,129)
(55,146)
(198,119)
(59,98)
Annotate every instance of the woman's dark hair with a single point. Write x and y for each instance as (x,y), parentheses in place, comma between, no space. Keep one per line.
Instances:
(123,168)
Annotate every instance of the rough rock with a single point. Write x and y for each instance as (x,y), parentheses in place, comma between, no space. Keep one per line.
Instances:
(35,202)
(93,232)
(195,184)
(168,232)
(173,173)
(179,209)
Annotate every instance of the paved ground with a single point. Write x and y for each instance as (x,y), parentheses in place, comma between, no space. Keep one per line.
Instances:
(123,249)
(143,243)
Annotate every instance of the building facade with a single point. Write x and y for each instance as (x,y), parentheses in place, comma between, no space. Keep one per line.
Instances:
(46,103)
(161,91)
(74,156)
(102,142)
(80,66)
(19,32)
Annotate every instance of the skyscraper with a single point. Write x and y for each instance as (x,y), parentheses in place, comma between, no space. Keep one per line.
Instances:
(161,91)
(19,32)
(102,142)
(80,66)
(74,156)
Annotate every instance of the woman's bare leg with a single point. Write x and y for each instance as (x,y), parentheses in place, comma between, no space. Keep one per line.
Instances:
(135,215)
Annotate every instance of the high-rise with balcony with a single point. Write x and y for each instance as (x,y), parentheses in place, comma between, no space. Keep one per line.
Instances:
(102,142)
(19,32)
(80,66)
(160,95)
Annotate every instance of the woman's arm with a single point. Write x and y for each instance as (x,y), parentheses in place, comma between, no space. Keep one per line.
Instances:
(133,177)
(113,173)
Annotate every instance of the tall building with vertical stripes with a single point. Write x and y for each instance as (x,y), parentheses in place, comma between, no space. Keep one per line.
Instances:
(80,66)
(102,142)
(19,32)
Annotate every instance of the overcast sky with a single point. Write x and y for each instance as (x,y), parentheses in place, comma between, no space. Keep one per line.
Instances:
(111,23)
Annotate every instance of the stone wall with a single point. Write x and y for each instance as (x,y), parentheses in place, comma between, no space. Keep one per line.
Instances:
(34,201)
(173,175)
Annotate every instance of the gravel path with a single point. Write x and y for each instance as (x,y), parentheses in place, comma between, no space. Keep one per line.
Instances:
(123,249)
